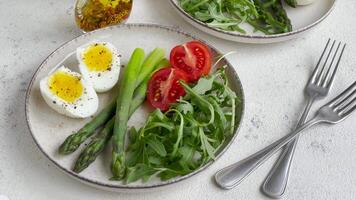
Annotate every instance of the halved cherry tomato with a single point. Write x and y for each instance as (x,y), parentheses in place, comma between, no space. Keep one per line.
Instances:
(194,58)
(164,87)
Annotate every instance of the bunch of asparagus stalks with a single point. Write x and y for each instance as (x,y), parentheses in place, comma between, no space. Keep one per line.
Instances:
(114,117)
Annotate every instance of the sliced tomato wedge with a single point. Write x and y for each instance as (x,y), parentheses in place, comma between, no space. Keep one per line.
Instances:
(164,87)
(194,58)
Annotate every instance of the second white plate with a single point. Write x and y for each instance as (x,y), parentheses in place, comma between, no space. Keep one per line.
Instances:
(303,19)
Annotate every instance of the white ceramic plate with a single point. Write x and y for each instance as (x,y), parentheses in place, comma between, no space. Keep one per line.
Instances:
(49,129)
(303,19)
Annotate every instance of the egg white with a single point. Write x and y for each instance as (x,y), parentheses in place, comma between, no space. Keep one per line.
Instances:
(85,106)
(102,81)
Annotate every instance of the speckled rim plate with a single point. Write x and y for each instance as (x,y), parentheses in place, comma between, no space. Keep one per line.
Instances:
(44,124)
(252,38)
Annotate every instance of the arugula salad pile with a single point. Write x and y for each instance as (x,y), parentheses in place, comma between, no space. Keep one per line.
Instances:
(267,16)
(186,136)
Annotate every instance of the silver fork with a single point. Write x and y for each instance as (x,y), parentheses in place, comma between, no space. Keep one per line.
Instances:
(333,112)
(317,88)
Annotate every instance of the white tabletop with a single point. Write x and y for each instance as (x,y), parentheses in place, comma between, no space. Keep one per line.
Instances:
(273,77)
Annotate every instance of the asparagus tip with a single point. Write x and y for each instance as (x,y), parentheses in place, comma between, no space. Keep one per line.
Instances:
(118,168)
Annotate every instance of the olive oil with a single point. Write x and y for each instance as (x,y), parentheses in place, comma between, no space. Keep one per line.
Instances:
(95,14)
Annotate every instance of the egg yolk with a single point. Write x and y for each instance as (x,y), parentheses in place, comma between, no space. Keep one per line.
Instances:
(65,86)
(97,57)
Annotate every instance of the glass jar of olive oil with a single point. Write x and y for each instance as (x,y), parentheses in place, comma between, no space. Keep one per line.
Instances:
(95,14)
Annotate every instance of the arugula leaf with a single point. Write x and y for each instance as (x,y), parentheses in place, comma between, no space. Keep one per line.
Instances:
(179,132)
(187,153)
(139,171)
(203,104)
(168,174)
(167,125)
(133,134)
(205,145)
(184,107)
(155,160)
(205,83)
(156,145)
(222,122)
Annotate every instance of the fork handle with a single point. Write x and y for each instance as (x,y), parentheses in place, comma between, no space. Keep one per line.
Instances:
(277,179)
(231,176)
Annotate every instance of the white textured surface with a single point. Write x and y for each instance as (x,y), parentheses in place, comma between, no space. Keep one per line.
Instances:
(273,77)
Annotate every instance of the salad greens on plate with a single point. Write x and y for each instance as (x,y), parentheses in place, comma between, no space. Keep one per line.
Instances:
(267,16)
(186,136)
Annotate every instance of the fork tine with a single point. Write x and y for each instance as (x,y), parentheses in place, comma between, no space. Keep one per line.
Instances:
(315,71)
(321,75)
(350,111)
(324,81)
(330,82)
(345,108)
(341,105)
(328,72)
(341,96)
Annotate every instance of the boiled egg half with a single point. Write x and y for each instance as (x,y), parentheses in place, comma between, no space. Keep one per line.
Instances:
(68,93)
(99,63)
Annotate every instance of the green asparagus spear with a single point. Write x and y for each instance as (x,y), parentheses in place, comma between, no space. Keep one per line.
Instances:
(149,64)
(75,140)
(98,143)
(163,63)
(124,99)
(95,147)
